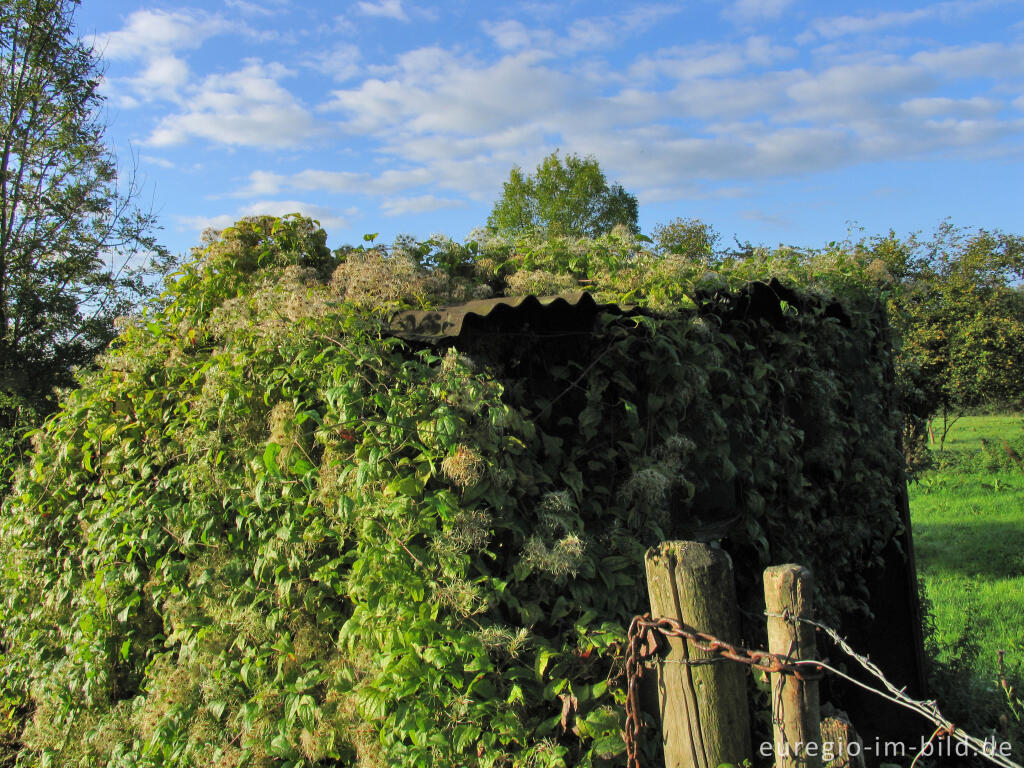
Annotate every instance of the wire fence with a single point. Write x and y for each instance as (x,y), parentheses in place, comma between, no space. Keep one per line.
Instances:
(645,631)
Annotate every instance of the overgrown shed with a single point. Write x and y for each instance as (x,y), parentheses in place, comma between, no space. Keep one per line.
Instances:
(821,483)
(282,526)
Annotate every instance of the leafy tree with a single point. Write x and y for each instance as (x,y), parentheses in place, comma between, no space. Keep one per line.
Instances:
(960,317)
(563,198)
(71,241)
(687,237)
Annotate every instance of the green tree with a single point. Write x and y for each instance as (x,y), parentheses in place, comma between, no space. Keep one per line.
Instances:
(564,198)
(960,317)
(687,237)
(71,240)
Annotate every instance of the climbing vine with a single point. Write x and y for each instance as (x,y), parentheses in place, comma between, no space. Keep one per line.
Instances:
(266,532)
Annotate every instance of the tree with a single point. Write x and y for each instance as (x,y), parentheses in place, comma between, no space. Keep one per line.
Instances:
(570,198)
(956,308)
(72,242)
(691,238)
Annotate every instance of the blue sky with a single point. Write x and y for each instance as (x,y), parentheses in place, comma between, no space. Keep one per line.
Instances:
(776,121)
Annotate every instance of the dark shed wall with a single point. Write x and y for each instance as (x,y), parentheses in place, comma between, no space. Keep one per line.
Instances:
(785,410)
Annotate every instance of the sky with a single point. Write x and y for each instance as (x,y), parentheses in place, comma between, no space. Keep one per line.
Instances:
(775,121)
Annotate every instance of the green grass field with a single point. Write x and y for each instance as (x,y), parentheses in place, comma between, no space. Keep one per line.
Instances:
(968,522)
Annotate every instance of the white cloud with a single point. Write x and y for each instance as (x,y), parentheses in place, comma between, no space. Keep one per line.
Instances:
(739,98)
(588,34)
(200,224)
(686,120)
(690,62)
(583,35)
(941,105)
(702,60)
(434,91)
(340,63)
(154,37)
(262,183)
(155,32)
(159,161)
(509,35)
(760,51)
(754,10)
(256,9)
(972,133)
(761,217)
(248,107)
(690,191)
(854,91)
(327,216)
(726,118)
(163,78)
(990,60)
(389,9)
(157,39)
(336,182)
(839,26)
(460,121)
(419,204)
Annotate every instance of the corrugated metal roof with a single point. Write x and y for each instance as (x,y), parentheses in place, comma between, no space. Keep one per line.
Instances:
(435,325)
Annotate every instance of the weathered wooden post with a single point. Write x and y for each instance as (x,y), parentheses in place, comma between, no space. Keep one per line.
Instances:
(703,708)
(795,713)
(837,734)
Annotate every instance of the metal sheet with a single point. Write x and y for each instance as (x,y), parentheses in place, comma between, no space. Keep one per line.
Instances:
(442,323)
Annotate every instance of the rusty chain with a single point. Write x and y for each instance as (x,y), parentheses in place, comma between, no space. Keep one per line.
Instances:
(642,644)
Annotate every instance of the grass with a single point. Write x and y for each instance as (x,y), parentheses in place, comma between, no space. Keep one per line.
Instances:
(966,433)
(969,538)
(968,521)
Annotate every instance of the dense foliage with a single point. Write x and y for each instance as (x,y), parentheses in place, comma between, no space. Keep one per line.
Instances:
(692,238)
(957,304)
(69,237)
(264,532)
(954,302)
(569,197)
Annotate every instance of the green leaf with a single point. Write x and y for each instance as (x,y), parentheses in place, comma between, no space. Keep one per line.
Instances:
(608,747)
(372,702)
(544,655)
(270,454)
(217,708)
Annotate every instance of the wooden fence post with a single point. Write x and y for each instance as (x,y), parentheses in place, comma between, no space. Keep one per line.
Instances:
(795,713)
(838,734)
(703,708)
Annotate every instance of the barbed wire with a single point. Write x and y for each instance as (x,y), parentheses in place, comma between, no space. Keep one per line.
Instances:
(927,709)
(642,644)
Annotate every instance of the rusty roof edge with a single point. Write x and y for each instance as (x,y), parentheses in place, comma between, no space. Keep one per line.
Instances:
(447,322)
